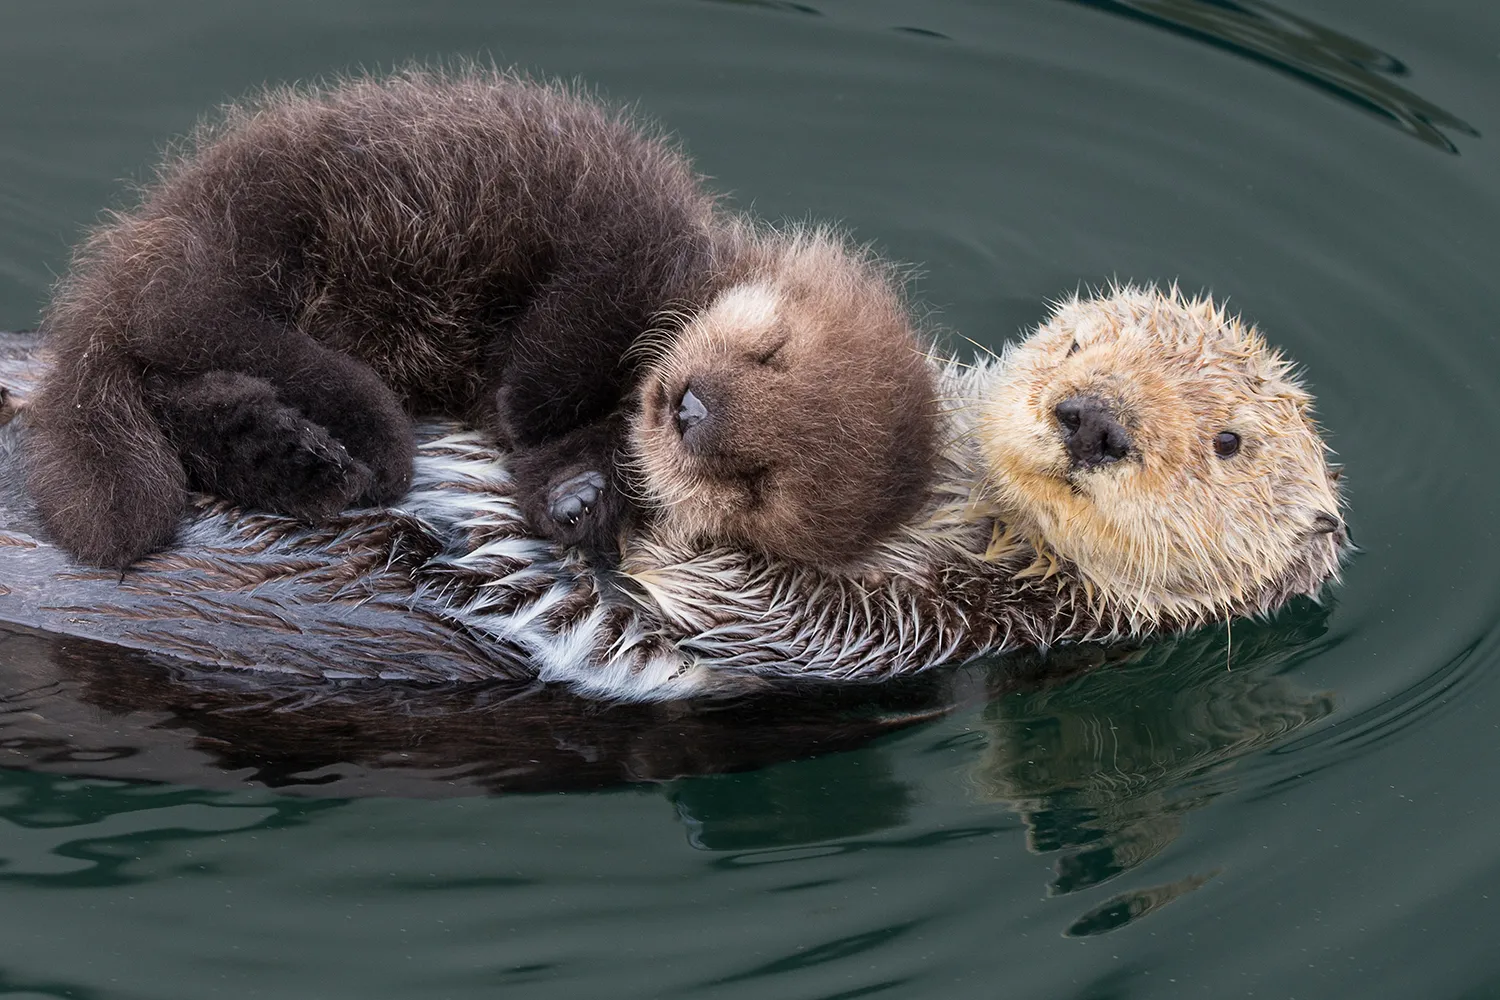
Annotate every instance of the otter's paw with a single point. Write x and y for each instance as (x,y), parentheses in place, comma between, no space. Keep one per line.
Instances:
(579,508)
(584,510)
(238,441)
(569,491)
(575,498)
(361,413)
(383,458)
(312,476)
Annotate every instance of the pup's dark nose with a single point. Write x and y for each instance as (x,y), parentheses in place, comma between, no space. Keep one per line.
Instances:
(690,412)
(1093,436)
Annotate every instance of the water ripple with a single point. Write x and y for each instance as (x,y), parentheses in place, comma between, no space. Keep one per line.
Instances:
(1343,67)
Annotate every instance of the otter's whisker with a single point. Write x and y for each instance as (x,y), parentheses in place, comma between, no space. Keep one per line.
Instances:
(987,350)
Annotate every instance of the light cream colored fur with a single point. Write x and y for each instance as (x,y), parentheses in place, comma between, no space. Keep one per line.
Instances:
(1174,531)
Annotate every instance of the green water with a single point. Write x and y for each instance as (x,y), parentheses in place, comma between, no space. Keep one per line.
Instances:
(1317,821)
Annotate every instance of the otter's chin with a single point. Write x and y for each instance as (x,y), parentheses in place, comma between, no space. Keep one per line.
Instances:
(1139,559)
(692,499)
(1030,476)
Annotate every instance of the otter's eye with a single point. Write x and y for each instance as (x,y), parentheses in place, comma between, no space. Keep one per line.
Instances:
(1074,349)
(1226,444)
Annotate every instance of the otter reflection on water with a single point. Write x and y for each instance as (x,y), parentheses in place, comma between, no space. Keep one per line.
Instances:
(83,708)
(1105,770)
(1103,752)
(87,708)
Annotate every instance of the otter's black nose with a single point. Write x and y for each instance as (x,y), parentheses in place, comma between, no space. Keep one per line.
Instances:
(690,412)
(1093,436)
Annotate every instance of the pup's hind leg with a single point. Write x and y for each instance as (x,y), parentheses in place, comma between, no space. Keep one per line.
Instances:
(344,395)
(107,482)
(338,392)
(239,441)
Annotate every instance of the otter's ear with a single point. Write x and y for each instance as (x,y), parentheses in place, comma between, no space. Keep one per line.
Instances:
(1324,523)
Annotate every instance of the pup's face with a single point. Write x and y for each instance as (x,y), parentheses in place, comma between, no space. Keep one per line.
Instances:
(786,420)
(1167,451)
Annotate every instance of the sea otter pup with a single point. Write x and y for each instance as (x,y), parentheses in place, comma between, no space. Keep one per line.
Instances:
(452,585)
(319,265)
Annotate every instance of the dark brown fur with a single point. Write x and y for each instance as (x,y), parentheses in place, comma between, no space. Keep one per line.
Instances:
(317,266)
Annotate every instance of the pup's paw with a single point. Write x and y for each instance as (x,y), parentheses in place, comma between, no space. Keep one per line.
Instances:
(237,440)
(583,509)
(574,499)
(311,475)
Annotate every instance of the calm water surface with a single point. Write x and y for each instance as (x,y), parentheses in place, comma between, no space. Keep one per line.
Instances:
(1313,815)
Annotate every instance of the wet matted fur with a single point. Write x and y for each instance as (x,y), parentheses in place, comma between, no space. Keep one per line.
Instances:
(315,265)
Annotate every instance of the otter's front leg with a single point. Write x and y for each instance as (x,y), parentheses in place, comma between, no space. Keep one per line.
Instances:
(565,363)
(571,489)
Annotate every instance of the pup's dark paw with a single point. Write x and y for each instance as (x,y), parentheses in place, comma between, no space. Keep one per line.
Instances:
(366,419)
(570,492)
(377,468)
(237,440)
(313,477)
(289,465)
(574,499)
(585,510)
(582,509)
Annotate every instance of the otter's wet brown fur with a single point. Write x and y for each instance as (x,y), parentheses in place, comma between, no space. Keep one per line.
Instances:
(317,265)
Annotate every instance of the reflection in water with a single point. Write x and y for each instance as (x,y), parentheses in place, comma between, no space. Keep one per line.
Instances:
(92,834)
(1102,770)
(782,5)
(1348,69)
(1117,911)
(76,707)
(1100,750)
(784,807)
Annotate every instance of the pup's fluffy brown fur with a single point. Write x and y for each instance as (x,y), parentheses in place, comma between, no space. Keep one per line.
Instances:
(823,434)
(318,265)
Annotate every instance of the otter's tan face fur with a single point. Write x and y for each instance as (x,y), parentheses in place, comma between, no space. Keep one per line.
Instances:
(1168,452)
(795,414)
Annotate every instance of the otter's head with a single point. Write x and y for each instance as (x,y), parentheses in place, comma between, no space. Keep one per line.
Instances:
(1169,453)
(795,413)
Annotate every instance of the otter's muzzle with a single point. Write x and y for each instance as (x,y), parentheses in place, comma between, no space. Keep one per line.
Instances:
(1091,433)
